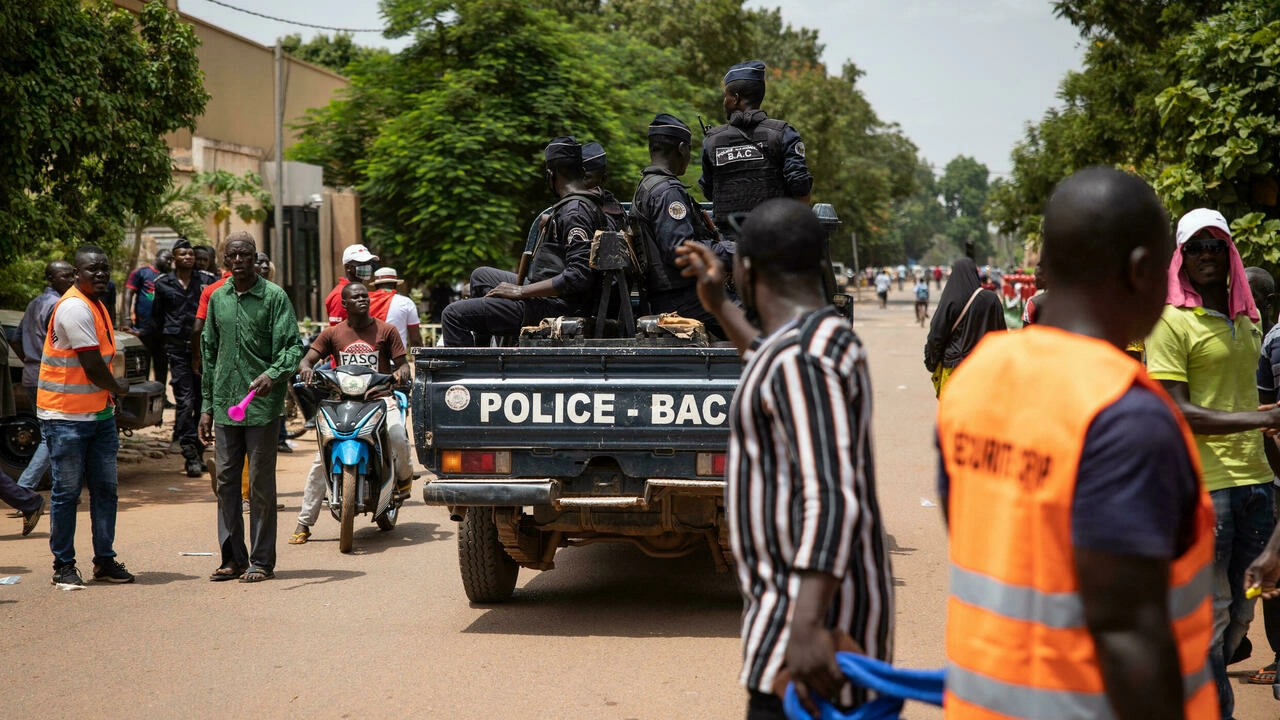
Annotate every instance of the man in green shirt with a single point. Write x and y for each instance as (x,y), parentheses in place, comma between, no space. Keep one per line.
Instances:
(1204,350)
(250,342)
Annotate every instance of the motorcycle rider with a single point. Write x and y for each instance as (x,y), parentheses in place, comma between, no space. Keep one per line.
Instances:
(362,340)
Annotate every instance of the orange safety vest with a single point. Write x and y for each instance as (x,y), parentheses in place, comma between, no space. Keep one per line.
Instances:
(64,386)
(1017,644)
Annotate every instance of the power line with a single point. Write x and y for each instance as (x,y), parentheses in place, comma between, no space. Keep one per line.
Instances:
(294,22)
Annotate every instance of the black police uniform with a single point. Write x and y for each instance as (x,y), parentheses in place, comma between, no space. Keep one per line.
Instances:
(173,313)
(751,159)
(563,255)
(672,217)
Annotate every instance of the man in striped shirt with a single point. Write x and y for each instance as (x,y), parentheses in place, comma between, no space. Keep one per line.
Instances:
(804,521)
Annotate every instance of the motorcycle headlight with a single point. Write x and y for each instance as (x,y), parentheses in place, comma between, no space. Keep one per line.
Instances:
(353,384)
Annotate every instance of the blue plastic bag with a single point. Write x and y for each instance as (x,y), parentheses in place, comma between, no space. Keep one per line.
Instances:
(892,685)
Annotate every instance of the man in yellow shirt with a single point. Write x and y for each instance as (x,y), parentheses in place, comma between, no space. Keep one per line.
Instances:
(1204,350)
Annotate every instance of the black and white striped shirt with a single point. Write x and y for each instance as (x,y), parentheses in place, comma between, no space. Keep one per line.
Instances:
(800,492)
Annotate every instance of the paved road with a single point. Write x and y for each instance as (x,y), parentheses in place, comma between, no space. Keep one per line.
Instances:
(387,631)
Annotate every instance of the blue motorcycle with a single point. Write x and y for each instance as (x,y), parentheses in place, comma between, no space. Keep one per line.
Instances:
(351,430)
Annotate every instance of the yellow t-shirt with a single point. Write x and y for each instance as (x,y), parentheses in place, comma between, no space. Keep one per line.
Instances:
(1218,360)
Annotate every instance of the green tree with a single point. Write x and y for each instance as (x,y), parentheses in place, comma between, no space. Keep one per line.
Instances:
(89,93)
(228,194)
(334,52)
(1220,144)
(964,190)
(918,221)
(182,208)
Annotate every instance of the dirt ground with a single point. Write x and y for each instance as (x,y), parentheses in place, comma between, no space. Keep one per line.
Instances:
(387,631)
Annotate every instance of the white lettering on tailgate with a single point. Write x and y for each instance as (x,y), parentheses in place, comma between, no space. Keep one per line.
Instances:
(598,408)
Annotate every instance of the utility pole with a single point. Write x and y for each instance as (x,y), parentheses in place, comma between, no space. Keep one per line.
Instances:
(278,250)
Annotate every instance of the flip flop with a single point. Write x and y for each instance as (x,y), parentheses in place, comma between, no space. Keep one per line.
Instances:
(256,574)
(299,538)
(223,574)
(1265,676)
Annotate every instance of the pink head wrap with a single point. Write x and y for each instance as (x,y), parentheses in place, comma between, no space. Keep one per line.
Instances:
(1182,293)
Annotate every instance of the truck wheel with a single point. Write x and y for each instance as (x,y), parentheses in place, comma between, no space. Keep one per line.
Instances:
(19,438)
(488,572)
(348,509)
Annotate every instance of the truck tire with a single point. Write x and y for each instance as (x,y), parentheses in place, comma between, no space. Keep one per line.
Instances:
(348,523)
(488,572)
(19,437)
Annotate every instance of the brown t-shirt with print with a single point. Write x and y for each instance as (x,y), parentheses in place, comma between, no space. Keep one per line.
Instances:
(373,346)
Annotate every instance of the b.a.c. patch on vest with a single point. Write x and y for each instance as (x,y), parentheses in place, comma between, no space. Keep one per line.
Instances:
(800,149)
(677,210)
(577,235)
(738,153)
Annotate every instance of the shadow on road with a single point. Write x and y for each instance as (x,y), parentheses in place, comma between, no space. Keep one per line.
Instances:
(618,591)
(162,578)
(316,576)
(14,570)
(369,540)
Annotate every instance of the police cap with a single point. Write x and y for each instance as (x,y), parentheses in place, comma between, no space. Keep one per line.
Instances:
(750,70)
(593,157)
(562,150)
(670,126)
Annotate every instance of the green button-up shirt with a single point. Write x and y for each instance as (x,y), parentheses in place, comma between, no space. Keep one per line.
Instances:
(244,336)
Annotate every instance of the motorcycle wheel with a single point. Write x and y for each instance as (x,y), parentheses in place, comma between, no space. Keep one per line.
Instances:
(348,509)
(295,421)
(387,520)
(488,572)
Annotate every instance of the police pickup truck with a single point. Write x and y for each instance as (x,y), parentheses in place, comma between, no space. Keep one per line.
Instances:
(562,440)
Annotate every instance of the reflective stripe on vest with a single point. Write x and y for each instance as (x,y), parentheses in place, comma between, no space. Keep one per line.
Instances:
(1032,703)
(1017,642)
(1061,611)
(63,385)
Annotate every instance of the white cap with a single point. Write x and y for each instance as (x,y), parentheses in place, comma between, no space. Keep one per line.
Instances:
(1199,219)
(386,276)
(357,253)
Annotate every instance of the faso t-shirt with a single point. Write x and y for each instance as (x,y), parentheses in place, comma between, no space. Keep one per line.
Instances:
(374,346)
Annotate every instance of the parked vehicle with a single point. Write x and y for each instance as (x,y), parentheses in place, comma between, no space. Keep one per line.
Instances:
(567,440)
(351,430)
(142,407)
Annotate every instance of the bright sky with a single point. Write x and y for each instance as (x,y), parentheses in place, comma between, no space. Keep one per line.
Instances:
(959,76)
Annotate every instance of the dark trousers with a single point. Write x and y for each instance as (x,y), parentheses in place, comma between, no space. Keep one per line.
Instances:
(235,445)
(763,706)
(474,322)
(1271,608)
(186,396)
(154,343)
(17,497)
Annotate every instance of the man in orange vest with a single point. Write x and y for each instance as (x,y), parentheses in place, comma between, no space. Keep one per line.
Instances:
(73,402)
(1082,540)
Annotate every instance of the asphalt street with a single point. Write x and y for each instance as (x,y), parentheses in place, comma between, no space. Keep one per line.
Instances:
(387,631)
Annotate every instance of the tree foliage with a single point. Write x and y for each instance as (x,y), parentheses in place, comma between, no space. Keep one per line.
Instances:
(89,93)
(444,139)
(334,52)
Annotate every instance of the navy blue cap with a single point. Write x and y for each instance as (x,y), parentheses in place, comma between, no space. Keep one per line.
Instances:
(593,157)
(665,125)
(182,244)
(749,70)
(563,149)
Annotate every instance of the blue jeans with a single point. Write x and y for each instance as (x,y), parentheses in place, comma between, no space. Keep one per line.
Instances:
(84,455)
(39,464)
(1246,517)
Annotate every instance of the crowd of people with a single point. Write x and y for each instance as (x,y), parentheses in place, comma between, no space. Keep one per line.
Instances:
(1107,539)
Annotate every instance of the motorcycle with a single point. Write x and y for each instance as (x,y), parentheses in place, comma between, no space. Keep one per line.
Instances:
(351,431)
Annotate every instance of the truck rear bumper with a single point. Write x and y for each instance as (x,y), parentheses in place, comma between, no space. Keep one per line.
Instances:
(511,493)
(142,407)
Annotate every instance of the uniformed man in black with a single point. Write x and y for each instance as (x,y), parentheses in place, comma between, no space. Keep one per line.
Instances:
(666,216)
(752,158)
(560,279)
(595,169)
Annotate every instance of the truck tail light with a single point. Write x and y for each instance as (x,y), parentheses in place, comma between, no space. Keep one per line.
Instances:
(710,464)
(475,461)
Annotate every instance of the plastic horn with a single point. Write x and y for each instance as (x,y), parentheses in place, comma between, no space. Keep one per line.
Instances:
(236,412)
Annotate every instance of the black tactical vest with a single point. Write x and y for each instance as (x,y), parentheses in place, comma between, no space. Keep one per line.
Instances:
(548,258)
(748,166)
(660,277)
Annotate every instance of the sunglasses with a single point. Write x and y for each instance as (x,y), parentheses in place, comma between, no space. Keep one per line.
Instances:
(1201,247)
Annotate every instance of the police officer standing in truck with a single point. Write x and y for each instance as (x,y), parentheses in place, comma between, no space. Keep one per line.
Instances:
(753,157)
(664,216)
